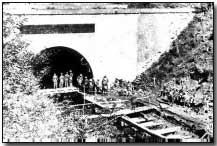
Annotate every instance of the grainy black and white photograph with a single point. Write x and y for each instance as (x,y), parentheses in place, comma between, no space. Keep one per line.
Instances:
(121,72)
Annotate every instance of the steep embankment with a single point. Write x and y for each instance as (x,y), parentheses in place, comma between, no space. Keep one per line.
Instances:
(190,56)
(185,73)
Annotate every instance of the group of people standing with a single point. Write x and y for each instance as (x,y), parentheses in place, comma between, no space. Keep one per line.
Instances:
(125,88)
(64,80)
(92,87)
(84,83)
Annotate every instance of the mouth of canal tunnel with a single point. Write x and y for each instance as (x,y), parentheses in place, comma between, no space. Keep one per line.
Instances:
(59,60)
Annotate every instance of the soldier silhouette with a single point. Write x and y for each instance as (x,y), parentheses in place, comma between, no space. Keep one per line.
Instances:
(97,86)
(104,85)
(55,79)
(70,78)
(61,80)
(79,81)
(91,86)
(86,83)
(66,79)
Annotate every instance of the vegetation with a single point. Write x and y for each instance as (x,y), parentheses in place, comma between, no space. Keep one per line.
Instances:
(19,84)
(29,114)
(17,72)
(28,117)
(184,74)
(191,54)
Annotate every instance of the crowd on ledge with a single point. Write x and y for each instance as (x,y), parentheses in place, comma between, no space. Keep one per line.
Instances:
(181,96)
(85,84)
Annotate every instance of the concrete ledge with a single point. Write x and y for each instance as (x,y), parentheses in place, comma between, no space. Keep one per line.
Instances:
(28,10)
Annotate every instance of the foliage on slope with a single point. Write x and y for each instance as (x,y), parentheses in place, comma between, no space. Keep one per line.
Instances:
(191,54)
(26,115)
(185,72)
(17,73)
(30,116)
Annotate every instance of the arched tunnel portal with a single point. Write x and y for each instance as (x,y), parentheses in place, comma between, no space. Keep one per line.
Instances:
(59,60)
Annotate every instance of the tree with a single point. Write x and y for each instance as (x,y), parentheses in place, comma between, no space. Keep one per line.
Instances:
(17,71)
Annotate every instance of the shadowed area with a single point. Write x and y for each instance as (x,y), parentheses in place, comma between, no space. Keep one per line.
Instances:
(59,60)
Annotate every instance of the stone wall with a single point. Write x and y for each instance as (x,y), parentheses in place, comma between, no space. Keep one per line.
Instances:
(124,43)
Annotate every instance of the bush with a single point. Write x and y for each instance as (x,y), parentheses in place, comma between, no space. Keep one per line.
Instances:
(17,70)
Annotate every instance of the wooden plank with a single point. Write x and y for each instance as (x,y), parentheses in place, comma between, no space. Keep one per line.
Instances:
(127,119)
(148,118)
(167,130)
(175,136)
(137,120)
(147,124)
(129,111)
(187,136)
(151,123)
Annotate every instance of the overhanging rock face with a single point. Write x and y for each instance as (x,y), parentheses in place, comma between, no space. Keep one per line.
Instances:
(122,43)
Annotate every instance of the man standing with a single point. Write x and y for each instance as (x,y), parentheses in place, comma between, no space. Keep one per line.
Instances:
(66,79)
(132,99)
(129,88)
(91,86)
(104,85)
(86,82)
(79,81)
(55,79)
(61,80)
(70,78)
(97,86)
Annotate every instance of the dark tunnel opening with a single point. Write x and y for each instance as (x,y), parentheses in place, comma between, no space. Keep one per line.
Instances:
(59,60)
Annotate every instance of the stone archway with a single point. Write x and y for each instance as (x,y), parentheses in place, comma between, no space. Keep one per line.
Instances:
(59,60)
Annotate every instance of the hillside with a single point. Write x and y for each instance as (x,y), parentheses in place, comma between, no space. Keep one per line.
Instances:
(191,54)
(183,76)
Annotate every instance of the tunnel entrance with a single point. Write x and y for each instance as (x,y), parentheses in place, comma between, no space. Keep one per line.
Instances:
(59,60)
